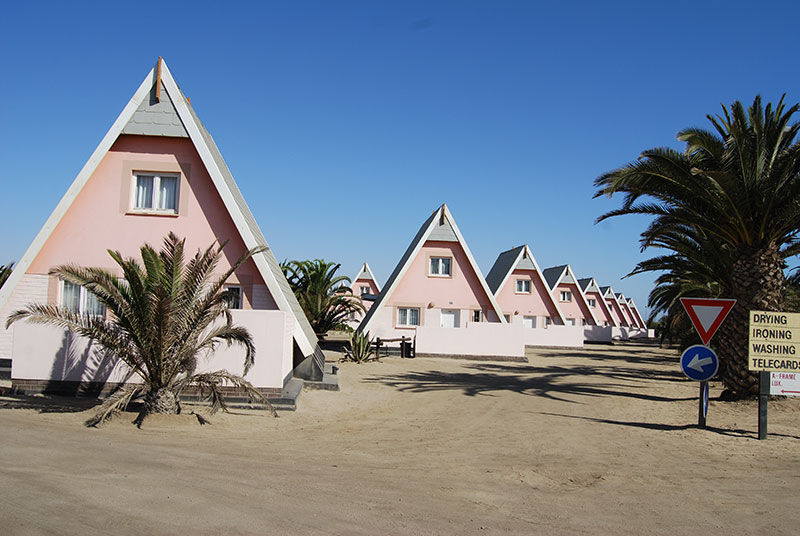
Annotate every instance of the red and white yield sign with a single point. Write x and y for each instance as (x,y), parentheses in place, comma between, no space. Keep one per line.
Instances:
(707,314)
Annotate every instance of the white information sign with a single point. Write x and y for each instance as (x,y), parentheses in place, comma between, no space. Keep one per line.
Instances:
(784,383)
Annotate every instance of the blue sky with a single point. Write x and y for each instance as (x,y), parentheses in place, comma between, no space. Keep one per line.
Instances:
(346,123)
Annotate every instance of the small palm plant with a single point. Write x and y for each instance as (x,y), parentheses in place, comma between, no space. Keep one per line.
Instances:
(360,349)
(165,315)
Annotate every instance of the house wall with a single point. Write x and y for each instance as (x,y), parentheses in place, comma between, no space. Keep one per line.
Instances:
(601,310)
(373,289)
(598,333)
(617,312)
(575,308)
(538,303)
(629,318)
(556,336)
(485,339)
(461,291)
(44,353)
(100,217)
(32,288)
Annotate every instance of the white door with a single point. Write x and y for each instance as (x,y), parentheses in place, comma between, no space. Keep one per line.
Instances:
(450,318)
(529,321)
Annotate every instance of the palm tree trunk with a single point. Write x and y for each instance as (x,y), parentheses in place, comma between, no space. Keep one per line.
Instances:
(756,283)
(161,400)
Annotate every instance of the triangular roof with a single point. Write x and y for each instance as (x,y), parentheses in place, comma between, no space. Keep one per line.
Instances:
(159,108)
(366,273)
(589,284)
(554,274)
(518,258)
(563,274)
(439,226)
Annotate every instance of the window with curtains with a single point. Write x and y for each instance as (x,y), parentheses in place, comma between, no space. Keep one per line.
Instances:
(407,316)
(77,299)
(156,193)
(440,266)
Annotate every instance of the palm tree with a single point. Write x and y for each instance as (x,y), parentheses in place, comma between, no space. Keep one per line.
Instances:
(738,186)
(5,272)
(165,315)
(326,298)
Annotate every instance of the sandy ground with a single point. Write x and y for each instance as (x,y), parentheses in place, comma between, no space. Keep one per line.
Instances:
(595,441)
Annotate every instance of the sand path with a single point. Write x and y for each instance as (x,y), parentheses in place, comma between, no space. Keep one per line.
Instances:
(594,441)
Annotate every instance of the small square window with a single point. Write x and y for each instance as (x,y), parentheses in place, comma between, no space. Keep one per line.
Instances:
(592,302)
(234,297)
(440,266)
(508,318)
(408,316)
(363,290)
(547,321)
(523,286)
(477,316)
(566,296)
(156,193)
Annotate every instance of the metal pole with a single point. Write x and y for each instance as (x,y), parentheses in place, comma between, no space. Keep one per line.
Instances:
(701,412)
(764,377)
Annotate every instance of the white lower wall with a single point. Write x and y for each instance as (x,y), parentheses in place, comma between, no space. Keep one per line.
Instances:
(474,339)
(552,335)
(42,352)
(597,333)
(32,288)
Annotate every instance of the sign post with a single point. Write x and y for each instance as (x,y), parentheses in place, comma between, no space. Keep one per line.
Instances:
(699,362)
(774,347)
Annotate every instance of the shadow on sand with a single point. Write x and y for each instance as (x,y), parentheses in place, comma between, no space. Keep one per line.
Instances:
(546,381)
(47,403)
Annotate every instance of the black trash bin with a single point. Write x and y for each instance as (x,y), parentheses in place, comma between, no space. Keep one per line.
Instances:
(405,349)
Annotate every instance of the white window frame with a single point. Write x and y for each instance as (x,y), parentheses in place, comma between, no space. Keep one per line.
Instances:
(523,286)
(565,296)
(477,315)
(405,323)
(154,200)
(436,266)
(363,290)
(240,298)
(592,302)
(84,296)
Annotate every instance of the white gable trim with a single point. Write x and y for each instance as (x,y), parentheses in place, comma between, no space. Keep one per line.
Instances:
(441,212)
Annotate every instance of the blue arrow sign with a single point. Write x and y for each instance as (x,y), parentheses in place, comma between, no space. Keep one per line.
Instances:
(699,363)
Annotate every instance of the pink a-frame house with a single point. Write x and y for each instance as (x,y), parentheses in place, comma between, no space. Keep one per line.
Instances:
(157,170)
(436,282)
(614,306)
(521,291)
(598,305)
(567,292)
(365,286)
